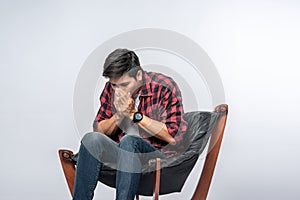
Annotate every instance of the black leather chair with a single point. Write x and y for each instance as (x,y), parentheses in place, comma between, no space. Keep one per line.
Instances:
(158,177)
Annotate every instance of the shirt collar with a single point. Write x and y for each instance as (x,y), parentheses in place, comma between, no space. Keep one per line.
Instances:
(146,89)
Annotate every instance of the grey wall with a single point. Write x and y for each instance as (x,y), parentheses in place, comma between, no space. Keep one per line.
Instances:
(253,44)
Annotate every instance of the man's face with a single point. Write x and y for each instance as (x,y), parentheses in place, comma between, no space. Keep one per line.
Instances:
(126,83)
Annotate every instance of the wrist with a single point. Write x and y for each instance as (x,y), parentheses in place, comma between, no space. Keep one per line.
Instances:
(118,117)
(131,114)
(146,121)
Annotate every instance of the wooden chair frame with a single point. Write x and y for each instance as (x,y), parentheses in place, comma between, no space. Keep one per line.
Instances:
(203,185)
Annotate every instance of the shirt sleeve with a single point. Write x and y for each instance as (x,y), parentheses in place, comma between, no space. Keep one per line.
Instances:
(172,112)
(105,110)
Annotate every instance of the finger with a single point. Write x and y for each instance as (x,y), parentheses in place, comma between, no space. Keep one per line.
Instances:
(121,92)
(116,100)
(124,100)
(126,94)
(116,105)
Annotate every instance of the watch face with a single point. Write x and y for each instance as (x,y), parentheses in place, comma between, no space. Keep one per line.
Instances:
(138,116)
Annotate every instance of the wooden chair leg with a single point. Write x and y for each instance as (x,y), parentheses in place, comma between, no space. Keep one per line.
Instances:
(156,180)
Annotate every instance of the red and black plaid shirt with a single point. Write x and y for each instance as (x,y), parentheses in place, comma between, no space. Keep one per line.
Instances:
(160,99)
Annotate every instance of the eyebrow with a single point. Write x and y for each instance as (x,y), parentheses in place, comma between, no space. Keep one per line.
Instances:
(124,83)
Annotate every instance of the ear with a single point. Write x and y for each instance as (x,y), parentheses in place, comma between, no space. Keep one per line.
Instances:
(139,75)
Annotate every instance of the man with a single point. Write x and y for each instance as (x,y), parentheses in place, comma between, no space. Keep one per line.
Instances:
(140,118)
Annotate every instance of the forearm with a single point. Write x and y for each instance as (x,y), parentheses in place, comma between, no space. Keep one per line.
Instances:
(108,126)
(157,129)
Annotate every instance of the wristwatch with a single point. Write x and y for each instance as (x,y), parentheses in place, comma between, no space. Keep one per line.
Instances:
(137,116)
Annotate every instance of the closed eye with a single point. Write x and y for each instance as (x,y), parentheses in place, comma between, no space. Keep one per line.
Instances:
(124,84)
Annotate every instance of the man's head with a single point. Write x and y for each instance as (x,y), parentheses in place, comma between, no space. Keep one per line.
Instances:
(123,69)
(119,62)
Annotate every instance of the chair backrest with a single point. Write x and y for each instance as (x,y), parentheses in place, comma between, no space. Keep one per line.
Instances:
(201,127)
(212,155)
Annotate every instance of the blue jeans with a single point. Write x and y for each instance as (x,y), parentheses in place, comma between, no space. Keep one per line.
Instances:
(127,157)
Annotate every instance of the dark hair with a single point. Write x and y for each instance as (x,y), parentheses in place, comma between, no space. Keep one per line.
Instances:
(119,62)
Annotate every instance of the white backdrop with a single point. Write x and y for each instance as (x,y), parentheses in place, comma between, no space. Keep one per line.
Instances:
(253,44)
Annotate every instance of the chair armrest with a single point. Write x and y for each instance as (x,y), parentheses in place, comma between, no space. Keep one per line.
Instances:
(68,167)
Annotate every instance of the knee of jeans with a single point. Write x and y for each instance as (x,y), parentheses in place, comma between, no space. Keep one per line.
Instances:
(129,143)
(92,139)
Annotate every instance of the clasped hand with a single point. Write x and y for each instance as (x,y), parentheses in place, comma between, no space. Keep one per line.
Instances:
(123,103)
